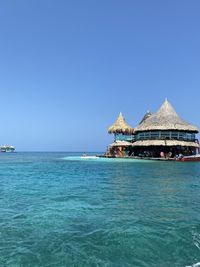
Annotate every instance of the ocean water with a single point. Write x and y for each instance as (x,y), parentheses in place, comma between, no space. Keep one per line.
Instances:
(57,209)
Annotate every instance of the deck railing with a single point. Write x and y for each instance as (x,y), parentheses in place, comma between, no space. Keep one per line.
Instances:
(157,135)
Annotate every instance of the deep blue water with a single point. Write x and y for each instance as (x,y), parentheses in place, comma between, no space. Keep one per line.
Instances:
(57,210)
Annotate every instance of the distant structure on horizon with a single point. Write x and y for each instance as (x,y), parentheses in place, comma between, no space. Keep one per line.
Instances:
(7,148)
(160,135)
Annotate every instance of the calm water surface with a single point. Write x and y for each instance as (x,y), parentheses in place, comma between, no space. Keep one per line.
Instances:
(59,210)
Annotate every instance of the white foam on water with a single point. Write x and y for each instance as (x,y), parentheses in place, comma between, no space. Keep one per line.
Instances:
(194,265)
(99,159)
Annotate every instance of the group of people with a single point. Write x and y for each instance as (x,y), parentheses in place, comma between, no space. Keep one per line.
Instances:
(169,155)
(165,155)
(156,153)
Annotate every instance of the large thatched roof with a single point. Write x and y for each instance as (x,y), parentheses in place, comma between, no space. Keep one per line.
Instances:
(120,126)
(165,118)
(165,143)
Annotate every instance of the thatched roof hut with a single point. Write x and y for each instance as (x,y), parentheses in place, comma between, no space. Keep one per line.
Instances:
(120,126)
(165,143)
(165,118)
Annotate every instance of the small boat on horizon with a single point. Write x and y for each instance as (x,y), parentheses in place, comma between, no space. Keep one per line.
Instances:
(7,149)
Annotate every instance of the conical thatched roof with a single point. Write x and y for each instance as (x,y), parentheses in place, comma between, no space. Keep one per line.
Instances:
(165,118)
(146,116)
(120,126)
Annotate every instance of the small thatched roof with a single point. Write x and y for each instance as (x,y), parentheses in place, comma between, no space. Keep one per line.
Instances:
(121,143)
(165,143)
(146,116)
(120,126)
(165,118)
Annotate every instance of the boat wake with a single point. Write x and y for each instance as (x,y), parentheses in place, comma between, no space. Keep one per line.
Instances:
(101,159)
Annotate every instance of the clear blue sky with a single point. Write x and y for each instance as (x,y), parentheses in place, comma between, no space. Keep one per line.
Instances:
(67,68)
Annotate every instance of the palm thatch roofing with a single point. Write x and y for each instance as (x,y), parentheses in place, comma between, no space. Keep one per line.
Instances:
(120,126)
(165,118)
(165,143)
(146,116)
(121,143)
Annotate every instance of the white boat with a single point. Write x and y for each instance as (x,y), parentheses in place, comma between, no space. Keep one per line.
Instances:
(7,149)
(85,156)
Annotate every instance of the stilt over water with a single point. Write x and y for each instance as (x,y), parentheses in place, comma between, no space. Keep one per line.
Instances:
(160,135)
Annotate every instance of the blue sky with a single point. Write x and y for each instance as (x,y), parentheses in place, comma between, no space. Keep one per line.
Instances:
(67,68)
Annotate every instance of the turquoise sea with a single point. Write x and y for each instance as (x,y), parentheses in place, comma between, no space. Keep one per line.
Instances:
(57,209)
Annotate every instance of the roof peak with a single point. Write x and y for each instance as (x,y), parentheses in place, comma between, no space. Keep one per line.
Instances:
(167,109)
(120,125)
(146,116)
(165,118)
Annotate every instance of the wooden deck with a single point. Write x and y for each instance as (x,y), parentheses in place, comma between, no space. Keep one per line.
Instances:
(131,157)
(184,159)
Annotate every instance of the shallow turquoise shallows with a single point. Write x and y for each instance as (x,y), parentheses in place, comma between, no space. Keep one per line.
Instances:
(57,209)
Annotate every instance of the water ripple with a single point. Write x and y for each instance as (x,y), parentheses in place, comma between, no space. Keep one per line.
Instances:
(58,212)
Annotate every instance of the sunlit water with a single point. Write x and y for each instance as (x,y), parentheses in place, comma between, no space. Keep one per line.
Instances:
(57,209)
